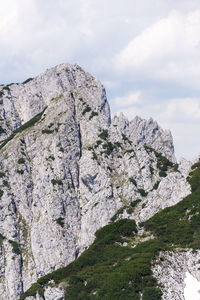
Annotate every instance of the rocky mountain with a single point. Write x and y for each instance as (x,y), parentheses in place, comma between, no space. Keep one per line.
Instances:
(66,171)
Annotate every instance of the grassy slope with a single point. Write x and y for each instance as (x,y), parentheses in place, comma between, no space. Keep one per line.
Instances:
(109,271)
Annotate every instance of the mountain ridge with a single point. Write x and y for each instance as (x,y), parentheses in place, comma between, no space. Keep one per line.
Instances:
(67,170)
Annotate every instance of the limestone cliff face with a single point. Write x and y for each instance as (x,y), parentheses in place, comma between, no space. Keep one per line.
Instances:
(69,170)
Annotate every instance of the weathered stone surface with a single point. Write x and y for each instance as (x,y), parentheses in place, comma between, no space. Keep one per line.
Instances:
(68,174)
(170,269)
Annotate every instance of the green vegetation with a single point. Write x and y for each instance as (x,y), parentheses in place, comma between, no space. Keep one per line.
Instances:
(109,147)
(21,160)
(135,202)
(108,270)
(1,238)
(28,124)
(142,192)
(56,181)
(60,221)
(163,164)
(94,156)
(87,109)
(124,137)
(93,114)
(104,134)
(1,194)
(186,216)
(20,172)
(119,212)
(2,174)
(27,80)
(51,157)
(15,246)
(155,187)
(2,131)
(47,131)
(133,181)
(5,183)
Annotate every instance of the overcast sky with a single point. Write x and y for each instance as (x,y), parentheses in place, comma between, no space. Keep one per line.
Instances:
(147,54)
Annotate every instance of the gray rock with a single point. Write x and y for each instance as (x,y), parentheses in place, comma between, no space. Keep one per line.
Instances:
(66,175)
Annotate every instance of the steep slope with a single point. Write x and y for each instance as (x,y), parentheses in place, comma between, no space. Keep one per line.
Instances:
(148,261)
(67,171)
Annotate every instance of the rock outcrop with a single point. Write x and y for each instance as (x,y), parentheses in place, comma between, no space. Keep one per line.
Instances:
(66,170)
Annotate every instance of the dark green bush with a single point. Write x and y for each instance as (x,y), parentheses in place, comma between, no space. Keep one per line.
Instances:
(2,131)
(27,80)
(2,174)
(56,181)
(1,193)
(152,293)
(47,131)
(93,114)
(26,125)
(142,192)
(20,172)
(104,134)
(87,109)
(21,160)
(135,202)
(15,246)
(60,221)
(133,181)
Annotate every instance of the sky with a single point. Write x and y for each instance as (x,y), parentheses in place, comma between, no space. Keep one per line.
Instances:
(146,53)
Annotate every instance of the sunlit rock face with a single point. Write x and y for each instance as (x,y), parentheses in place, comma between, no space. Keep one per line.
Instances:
(69,170)
(171,270)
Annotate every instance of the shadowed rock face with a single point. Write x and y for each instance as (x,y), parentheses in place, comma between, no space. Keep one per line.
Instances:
(66,173)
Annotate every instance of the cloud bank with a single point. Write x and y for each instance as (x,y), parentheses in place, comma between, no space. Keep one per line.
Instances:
(146,53)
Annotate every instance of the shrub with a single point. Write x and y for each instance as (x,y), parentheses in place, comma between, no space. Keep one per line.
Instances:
(135,202)
(27,80)
(104,134)
(60,221)
(2,131)
(15,246)
(5,183)
(108,148)
(47,131)
(21,160)
(142,192)
(1,193)
(28,124)
(2,174)
(1,238)
(94,156)
(133,181)
(20,172)
(56,181)
(155,187)
(93,114)
(87,109)
(152,293)
(124,137)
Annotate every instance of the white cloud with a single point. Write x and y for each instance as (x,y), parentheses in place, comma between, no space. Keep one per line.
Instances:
(186,108)
(168,49)
(127,100)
